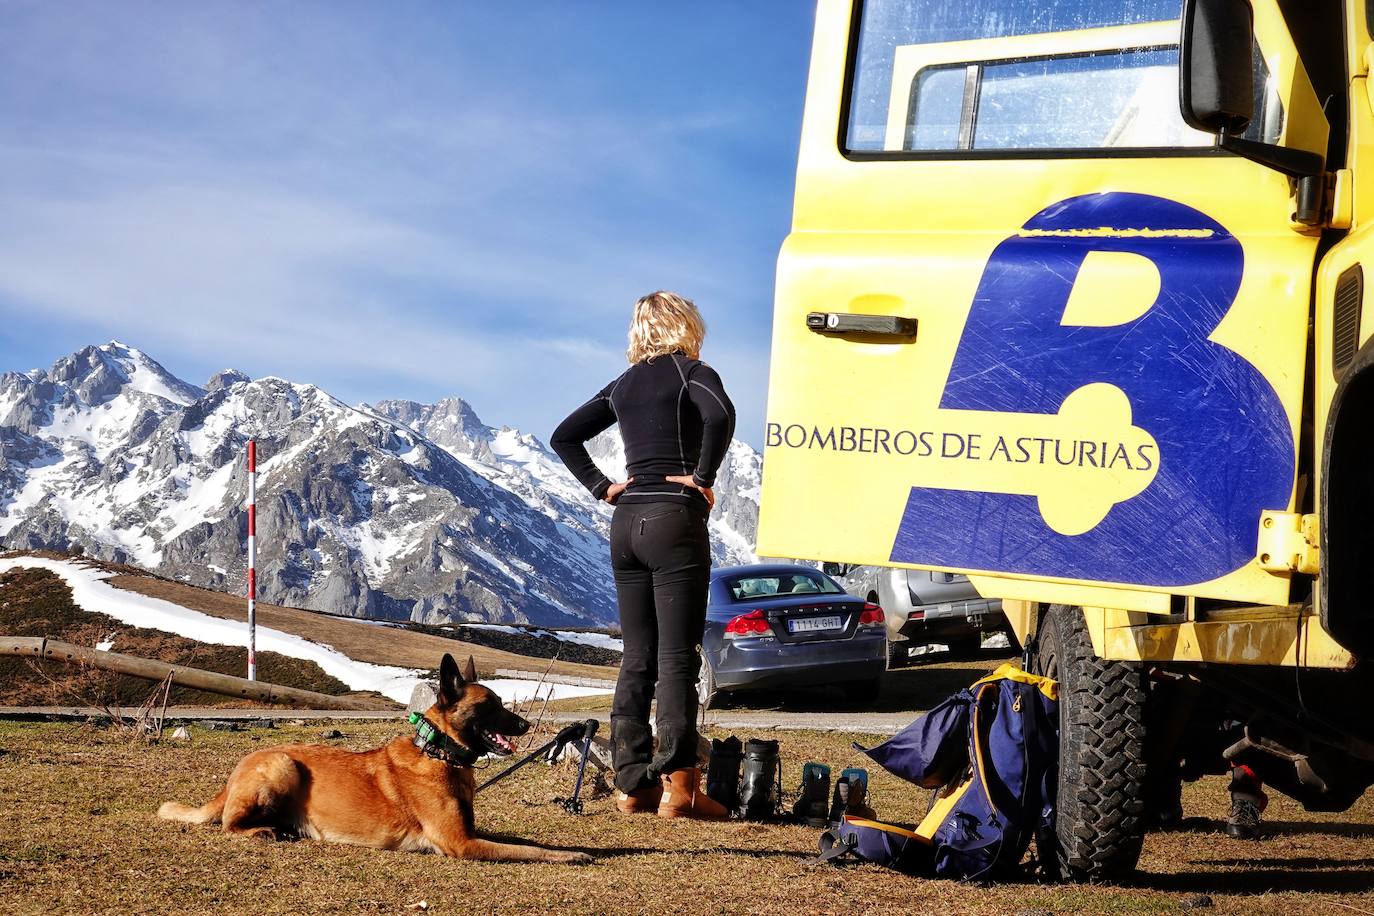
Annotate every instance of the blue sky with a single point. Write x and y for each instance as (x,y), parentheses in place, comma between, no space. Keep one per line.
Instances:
(397,199)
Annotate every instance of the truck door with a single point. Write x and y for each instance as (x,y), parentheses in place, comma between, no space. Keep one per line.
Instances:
(1028,323)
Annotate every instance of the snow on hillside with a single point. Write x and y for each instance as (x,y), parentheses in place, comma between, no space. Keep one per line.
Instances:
(92,593)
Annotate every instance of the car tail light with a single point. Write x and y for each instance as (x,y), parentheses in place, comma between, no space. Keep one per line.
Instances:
(871,616)
(750,624)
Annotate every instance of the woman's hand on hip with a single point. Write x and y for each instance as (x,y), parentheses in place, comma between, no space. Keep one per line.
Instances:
(687,481)
(614,490)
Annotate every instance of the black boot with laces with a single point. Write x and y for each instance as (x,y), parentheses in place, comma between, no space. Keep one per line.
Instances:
(1244,822)
(1248,802)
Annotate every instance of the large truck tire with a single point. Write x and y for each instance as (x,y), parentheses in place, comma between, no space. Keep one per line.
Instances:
(1099,819)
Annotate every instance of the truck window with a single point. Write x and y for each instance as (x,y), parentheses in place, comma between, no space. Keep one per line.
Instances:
(995,75)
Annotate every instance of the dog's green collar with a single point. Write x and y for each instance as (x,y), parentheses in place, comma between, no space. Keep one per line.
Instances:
(438,745)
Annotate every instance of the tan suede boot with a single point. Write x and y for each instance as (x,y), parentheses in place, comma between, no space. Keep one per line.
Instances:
(640,801)
(684,797)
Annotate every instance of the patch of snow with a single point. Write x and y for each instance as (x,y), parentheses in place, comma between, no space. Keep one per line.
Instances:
(542,596)
(103,428)
(64,486)
(202,500)
(512,691)
(492,560)
(727,535)
(496,627)
(143,378)
(379,548)
(599,640)
(104,645)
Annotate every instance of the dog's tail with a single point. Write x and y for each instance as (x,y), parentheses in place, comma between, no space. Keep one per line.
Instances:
(208,813)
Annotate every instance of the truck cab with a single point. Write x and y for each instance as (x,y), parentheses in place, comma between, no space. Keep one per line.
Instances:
(1072,305)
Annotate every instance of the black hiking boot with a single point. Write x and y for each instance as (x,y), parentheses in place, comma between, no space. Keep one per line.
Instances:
(1244,822)
(812,804)
(722,772)
(1248,802)
(760,786)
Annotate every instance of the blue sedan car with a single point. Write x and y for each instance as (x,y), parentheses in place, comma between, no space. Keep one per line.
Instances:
(781,624)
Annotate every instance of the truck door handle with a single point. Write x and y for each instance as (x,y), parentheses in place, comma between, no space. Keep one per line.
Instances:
(847,323)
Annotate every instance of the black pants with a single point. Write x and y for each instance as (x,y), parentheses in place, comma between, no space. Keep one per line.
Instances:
(661,557)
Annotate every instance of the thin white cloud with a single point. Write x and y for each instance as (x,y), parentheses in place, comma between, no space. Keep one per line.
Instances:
(205,193)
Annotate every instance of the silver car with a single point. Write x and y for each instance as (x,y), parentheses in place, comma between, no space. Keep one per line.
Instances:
(923,607)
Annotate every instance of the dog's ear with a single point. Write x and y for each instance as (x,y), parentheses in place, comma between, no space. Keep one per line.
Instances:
(450,681)
(470,671)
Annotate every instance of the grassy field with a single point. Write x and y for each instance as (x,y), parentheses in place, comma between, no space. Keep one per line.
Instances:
(79,835)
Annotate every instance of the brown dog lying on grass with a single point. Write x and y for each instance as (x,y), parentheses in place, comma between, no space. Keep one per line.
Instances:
(398,796)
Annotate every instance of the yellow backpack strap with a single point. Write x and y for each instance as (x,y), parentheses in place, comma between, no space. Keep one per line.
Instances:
(885,828)
(1011,672)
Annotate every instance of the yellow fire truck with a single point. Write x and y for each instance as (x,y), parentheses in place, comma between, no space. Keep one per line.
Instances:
(1073,304)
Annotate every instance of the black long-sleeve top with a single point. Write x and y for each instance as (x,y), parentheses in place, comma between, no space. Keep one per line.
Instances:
(675,418)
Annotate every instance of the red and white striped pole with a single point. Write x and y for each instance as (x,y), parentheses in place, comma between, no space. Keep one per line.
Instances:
(252,560)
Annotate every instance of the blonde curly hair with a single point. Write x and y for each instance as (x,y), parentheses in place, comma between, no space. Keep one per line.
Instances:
(665,322)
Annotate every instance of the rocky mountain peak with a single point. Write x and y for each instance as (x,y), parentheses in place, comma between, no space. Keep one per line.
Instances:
(450,423)
(98,374)
(226,378)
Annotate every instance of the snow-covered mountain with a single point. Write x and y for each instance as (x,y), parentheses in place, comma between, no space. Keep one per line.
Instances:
(401,510)
(525,466)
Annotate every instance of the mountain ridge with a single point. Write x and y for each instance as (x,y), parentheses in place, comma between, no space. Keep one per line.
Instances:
(398,510)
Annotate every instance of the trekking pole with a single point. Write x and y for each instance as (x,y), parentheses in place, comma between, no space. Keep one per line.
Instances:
(574,805)
(552,747)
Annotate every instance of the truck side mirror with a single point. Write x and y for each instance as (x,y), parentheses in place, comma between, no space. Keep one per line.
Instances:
(1216,75)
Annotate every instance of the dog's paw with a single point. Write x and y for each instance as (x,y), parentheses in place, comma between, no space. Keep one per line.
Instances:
(575,858)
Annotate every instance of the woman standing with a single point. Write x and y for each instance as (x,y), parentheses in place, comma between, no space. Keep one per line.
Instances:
(676,422)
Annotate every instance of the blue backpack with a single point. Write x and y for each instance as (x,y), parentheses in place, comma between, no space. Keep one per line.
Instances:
(990,752)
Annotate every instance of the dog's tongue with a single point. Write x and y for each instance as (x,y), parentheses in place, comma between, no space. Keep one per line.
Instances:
(504,743)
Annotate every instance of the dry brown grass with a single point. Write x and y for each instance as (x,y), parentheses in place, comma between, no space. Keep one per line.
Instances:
(79,835)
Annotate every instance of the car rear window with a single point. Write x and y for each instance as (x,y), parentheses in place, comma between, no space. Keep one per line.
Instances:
(747,588)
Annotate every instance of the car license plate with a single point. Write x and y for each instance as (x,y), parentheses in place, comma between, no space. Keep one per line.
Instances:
(812,624)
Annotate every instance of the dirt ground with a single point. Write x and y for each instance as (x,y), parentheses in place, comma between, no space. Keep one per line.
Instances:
(79,835)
